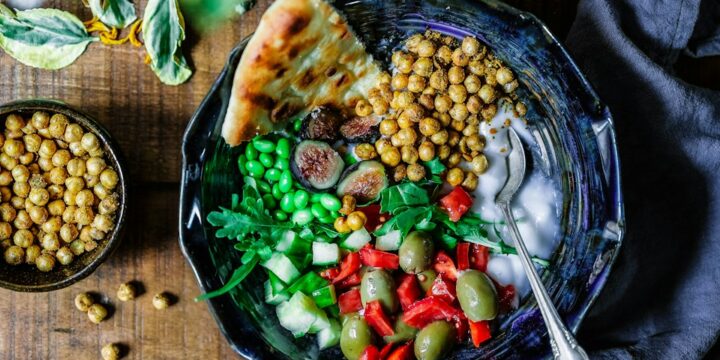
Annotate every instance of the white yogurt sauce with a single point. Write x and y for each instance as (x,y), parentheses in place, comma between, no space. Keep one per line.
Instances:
(535,205)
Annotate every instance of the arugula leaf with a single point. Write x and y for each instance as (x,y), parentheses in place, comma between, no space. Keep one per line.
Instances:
(395,198)
(405,220)
(163,32)
(43,38)
(116,13)
(435,166)
(237,277)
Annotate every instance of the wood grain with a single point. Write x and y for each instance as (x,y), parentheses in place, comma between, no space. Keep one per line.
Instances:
(148,119)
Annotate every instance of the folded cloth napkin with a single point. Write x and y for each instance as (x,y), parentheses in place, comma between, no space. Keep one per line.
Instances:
(662,300)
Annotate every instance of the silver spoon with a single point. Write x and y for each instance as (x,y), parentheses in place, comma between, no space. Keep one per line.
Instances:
(564,345)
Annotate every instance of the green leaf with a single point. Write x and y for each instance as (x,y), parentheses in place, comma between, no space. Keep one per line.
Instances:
(206,15)
(435,166)
(394,198)
(43,38)
(117,13)
(163,32)
(237,277)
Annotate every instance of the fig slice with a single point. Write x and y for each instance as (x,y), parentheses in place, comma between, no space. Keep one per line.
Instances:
(316,165)
(361,129)
(321,124)
(364,180)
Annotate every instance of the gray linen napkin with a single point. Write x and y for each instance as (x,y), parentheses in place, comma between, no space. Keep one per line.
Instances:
(662,300)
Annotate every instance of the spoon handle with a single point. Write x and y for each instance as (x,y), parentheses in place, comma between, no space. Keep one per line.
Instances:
(564,346)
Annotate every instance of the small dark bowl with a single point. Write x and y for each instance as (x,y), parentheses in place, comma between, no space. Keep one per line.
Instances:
(27,278)
(576,146)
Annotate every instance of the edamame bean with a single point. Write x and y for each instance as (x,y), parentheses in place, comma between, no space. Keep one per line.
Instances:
(281,164)
(273,175)
(319,211)
(255,168)
(283,148)
(330,202)
(302,217)
(286,203)
(315,197)
(280,215)
(269,201)
(242,159)
(276,193)
(251,153)
(267,160)
(286,181)
(301,199)
(264,146)
(263,187)
(297,125)
(327,220)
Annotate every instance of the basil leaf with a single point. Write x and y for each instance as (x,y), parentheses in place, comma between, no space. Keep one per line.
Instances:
(43,38)
(117,13)
(163,32)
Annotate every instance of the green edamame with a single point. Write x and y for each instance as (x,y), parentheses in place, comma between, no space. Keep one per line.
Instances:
(251,153)
(286,181)
(255,168)
(327,219)
(242,159)
(280,215)
(283,148)
(263,187)
(264,146)
(330,202)
(297,125)
(281,164)
(315,197)
(319,211)
(269,201)
(286,203)
(267,160)
(302,217)
(272,175)
(301,199)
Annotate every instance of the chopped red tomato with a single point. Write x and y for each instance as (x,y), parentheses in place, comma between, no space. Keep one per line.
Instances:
(386,350)
(403,352)
(349,266)
(350,281)
(479,256)
(330,274)
(443,264)
(370,353)
(376,318)
(429,309)
(463,256)
(374,217)
(408,291)
(379,259)
(461,327)
(456,203)
(349,301)
(479,332)
(444,289)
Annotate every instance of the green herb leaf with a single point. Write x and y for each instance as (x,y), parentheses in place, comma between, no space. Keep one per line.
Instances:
(395,198)
(163,32)
(43,38)
(237,277)
(208,14)
(435,166)
(117,13)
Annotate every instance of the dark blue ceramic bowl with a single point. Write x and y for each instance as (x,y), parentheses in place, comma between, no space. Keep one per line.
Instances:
(577,147)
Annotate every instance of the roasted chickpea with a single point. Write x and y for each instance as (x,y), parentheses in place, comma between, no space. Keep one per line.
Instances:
(520,109)
(457,93)
(456,75)
(380,107)
(475,142)
(95,166)
(58,175)
(50,242)
(76,167)
(414,112)
(459,112)
(511,86)
(14,255)
(58,122)
(32,253)
(111,352)
(77,149)
(23,238)
(399,81)
(504,75)
(20,173)
(97,313)
(439,80)
(68,215)
(74,184)
(385,91)
(84,198)
(404,121)
(5,230)
(487,94)
(26,158)
(476,67)
(405,99)
(391,156)
(64,255)
(83,301)
(443,55)
(90,244)
(413,41)
(426,48)
(56,191)
(13,148)
(40,120)
(6,178)
(381,145)
(32,142)
(39,196)
(455,176)
(409,154)
(161,301)
(427,101)
(341,225)
(416,83)
(443,103)
(84,215)
(45,164)
(470,129)
(38,214)
(440,137)
(52,225)
(479,164)
(415,172)
(90,142)
(426,151)
(73,133)
(488,111)
(384,78)
(443,152)
(454,159)
(77,247)
(356,220)
(471,181)
(85,235)
(389,127)
(47,149)
(472,83)
(405,64)
(490,78)
(45,262)
(348,204)
(423,67)
(17,202)
(5,194)
(21,189)
(406,136)
(365,151)
(68,233)
(126,292)
(399,172)
(7,162)
(473,104)
(362,108)
(459,58)
(61,158)
(14,122)
(470,46)
(429,126)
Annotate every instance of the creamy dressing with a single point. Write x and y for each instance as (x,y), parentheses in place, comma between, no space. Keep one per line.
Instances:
(535,205)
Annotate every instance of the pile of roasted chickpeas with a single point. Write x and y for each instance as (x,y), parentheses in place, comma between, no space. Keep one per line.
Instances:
(433,104)
(57,190)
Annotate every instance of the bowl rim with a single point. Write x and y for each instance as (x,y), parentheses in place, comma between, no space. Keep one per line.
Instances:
(218,306)
(89,123)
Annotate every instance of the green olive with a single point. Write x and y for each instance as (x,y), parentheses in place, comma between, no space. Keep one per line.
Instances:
(416,252)
(355,337)
(426,279)
(379,285)
(402,331)
(434,340)
(477,295)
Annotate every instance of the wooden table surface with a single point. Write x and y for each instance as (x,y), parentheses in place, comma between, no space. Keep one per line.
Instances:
(148,119)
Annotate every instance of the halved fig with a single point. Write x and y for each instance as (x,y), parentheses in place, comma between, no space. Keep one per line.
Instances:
(321,124)
(364,180)
(361,129)
(316,164)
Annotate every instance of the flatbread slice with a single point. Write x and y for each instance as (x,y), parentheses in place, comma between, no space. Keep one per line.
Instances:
(302,55)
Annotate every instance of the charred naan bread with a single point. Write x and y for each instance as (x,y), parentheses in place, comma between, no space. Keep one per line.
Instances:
(302,55)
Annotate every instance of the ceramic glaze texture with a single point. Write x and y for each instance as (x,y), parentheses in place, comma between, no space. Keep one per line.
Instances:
(575,145)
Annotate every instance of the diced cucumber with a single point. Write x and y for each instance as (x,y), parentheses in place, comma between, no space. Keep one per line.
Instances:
(329,336)
(300,315)
(307,234)
(282,267)
(291,243)
(389,242)
(325,254)
(288,238)
(325,296)
(307,283)
(356,240)
(274,297)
